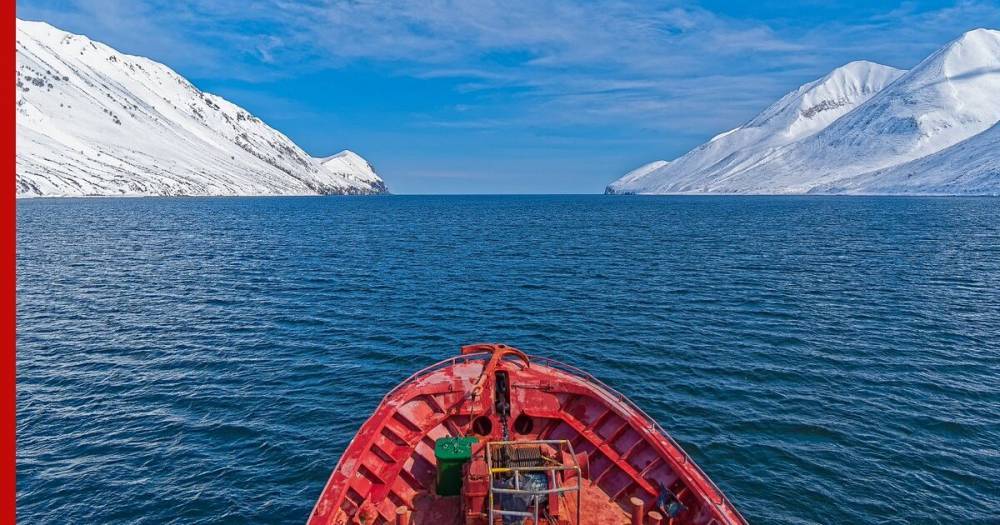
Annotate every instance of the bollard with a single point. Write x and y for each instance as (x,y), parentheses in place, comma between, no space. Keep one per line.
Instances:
(637,510)
(402,516)
(655,518)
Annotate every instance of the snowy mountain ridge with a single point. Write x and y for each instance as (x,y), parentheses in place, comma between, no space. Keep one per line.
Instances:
(93,121)
(864,128)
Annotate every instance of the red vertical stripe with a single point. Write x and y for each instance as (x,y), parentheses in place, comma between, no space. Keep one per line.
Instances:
(9,279)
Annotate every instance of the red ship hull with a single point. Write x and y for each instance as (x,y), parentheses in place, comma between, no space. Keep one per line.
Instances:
(593,457)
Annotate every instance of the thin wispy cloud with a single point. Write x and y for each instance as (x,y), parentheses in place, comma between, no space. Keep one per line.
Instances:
(555,50)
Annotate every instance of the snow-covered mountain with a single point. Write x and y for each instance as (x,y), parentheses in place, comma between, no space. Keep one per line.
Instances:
(93,121)
(864,128)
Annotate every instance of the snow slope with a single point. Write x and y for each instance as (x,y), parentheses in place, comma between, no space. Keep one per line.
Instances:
(868,118)
(93,121)
(637,174)
(971,167)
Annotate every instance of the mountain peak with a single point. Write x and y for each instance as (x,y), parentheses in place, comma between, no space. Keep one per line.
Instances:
(816,104)
(860,72)
(976,51)
(859,65)
(980,35)
(344,154)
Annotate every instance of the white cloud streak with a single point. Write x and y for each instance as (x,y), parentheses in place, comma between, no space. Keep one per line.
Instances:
(671,67)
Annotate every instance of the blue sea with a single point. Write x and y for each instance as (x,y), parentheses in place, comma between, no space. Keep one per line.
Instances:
(206,360)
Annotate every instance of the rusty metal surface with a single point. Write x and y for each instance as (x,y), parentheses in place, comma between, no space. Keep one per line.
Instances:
(390,462)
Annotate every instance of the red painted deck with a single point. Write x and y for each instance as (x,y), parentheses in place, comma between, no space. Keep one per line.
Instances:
(390,467)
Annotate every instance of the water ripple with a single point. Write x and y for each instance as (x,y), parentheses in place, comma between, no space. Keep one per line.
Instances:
(206,360)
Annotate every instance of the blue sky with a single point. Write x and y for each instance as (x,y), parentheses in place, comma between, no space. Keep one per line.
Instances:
(514,96)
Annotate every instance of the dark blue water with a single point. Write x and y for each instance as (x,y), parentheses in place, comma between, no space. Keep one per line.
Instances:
(830,360)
